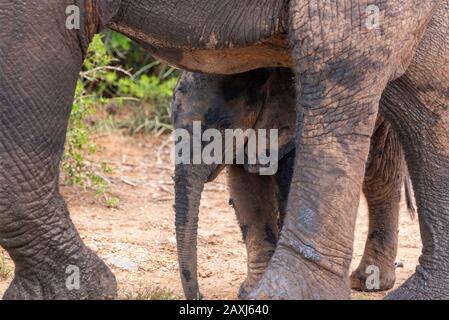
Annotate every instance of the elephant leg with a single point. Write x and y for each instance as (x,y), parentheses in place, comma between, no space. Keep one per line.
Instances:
(284,180)
(382,187)
(422,121)
(417,106)
(255,203)
(340,82)
(314,251)
(423,133)
(39,62)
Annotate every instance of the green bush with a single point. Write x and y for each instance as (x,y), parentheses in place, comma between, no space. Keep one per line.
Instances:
(5,271)
(115,71)
(148,82)
(154,115)
(78,142)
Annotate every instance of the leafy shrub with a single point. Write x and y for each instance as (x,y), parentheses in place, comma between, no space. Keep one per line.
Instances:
(148,82)
(78,142)
(154,115)
(5,271)
(109,77)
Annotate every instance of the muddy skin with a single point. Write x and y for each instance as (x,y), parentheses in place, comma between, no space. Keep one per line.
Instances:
(209,36)
(337,63)
(260,202)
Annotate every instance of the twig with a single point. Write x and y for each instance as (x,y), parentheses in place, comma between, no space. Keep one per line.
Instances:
(167,183)
(162,199)
(85,74)
(165,189)
(124,180)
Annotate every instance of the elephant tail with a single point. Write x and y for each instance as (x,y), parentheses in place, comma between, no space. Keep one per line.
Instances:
(409,197)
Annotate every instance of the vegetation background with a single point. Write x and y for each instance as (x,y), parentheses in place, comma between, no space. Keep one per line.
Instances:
(122,88)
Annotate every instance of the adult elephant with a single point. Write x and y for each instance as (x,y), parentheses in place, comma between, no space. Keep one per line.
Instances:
(265,99)
(342,65)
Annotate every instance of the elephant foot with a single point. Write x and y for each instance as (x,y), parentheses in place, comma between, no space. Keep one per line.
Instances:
(423,285)
(247,286)
(255,273)
(83,276)
(244,291)
(290,277)
(369,278)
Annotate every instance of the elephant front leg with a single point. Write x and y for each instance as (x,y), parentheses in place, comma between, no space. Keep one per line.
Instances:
(51,261)
(314,251)
(382,187)
(342,63)
(255,203)
(40,61)
(338,97)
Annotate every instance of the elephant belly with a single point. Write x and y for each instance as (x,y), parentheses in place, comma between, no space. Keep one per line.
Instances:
(271,53)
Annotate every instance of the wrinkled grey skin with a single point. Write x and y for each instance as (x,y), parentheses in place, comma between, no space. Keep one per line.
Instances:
(342,67)
(337,122)
(265,99)
(419,101)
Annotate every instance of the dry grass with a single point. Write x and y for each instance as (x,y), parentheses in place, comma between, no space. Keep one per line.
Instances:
(150,293)
(5,271)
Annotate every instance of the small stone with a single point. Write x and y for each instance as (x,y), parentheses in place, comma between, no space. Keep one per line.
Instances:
(205,275)
(123,263)
(172,240)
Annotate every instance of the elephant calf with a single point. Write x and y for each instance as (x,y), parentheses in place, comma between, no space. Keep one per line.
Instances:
(265,99)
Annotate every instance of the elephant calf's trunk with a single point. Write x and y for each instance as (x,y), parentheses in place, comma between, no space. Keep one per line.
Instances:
(189,184)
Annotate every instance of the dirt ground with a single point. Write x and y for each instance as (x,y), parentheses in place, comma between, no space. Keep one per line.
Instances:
(141,229)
